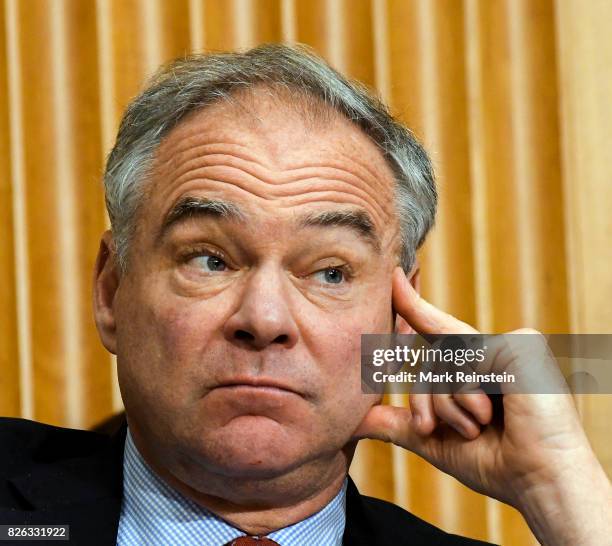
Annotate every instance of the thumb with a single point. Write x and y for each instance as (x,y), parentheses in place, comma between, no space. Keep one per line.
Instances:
(390,424)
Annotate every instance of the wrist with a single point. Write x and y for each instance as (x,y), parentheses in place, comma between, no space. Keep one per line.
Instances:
(569,503)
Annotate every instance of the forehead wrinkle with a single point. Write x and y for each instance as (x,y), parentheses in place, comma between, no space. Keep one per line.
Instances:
(285,178)
(265,173)
(290,173)
(362,168)
(287,200)
(201,140)
(332,172)
(273,106)
(279,178)
(288,190)
(248,170)
(373,182)
(213,148)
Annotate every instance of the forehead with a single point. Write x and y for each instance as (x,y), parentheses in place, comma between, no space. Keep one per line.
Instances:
(266,147)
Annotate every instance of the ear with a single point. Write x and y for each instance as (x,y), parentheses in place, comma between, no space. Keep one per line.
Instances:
(105,284)
(414,276)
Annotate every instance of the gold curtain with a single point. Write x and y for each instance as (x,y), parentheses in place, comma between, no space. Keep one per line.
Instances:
(511,97)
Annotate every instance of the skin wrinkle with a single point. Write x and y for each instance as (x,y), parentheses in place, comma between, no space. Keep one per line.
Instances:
(260,461)
(323,121)
(176,154)
(294,200)
(368,190)
(284,178)
(287,188)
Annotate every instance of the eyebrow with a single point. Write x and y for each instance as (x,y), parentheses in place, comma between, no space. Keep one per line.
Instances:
(189,207)
(357,220)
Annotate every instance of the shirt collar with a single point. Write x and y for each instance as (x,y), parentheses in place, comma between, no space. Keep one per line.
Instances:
(154,512)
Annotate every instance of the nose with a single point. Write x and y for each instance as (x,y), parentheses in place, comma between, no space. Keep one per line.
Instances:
(263,316)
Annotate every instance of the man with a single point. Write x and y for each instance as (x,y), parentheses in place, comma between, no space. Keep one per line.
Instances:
(265,213)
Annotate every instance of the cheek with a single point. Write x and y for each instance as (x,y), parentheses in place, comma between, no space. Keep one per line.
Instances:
(369,313)
(344,404)
(336,347)
(184,328)
(163,343)
(334,337)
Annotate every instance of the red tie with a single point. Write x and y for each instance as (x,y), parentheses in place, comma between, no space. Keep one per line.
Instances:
(252,541)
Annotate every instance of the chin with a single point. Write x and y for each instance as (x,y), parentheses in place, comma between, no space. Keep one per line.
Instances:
(253,447)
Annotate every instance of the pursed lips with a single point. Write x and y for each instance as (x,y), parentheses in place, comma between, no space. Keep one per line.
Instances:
(258,383)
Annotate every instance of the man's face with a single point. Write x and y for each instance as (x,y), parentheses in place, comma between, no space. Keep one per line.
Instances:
(238,324)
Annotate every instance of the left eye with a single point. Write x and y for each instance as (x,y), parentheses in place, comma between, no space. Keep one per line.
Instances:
(330,275)
(210,262)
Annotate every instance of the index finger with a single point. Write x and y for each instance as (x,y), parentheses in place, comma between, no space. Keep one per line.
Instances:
(422,315)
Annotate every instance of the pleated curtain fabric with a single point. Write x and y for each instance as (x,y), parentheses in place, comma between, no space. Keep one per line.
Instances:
(511,98)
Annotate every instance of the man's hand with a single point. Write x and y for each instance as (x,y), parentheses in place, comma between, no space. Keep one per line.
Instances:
(536,457)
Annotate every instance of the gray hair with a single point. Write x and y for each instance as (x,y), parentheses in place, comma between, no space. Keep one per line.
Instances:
(196,81)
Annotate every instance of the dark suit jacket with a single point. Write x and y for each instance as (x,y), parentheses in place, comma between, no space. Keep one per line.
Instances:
(51,475)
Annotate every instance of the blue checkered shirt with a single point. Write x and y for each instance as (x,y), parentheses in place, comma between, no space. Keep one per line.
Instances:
(154,513)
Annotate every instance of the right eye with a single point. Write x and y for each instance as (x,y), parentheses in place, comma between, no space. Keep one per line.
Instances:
(209,263)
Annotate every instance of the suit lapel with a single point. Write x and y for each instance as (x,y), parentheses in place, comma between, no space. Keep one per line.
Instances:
(84,492)
(358,530)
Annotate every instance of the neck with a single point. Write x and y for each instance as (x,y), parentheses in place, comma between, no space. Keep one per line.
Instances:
(257,506)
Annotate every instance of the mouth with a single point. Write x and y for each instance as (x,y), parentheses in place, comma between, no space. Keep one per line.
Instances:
(259,384)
